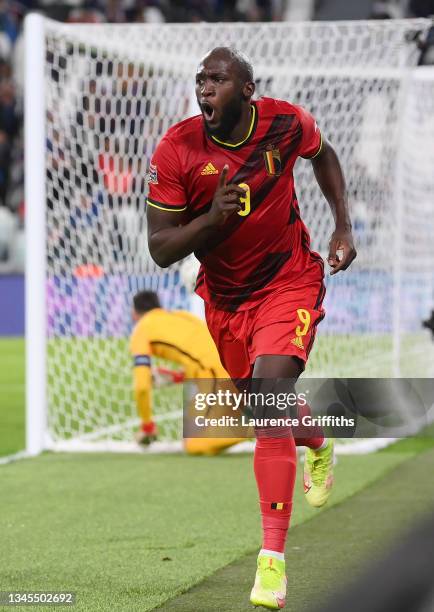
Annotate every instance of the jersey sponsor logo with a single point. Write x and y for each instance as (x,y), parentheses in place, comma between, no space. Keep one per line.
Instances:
(209,169)
(298,342)
(153,174)
(273,163)
(142,360)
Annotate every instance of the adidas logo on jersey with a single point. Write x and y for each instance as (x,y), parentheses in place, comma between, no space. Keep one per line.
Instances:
(209,169)
(298,342)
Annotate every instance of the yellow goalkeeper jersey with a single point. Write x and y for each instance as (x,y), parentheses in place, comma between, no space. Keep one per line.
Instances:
(177,336)
(185,340)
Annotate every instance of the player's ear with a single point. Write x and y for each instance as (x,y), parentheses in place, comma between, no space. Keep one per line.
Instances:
(248,90)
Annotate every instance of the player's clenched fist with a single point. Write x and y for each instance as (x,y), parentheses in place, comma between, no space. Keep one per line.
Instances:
(226,200)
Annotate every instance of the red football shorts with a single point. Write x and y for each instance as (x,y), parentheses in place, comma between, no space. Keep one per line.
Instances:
(284,323)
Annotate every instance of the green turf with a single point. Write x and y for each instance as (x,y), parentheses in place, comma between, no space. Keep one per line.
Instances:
(326,553)
(129,532)
(11,395)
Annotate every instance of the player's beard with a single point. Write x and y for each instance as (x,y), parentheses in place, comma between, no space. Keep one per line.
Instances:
(230,117)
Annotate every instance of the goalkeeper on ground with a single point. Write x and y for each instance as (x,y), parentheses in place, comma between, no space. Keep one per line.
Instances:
(179,337)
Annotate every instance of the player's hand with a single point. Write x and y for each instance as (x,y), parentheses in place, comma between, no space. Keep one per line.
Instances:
(226,200)
(342,242)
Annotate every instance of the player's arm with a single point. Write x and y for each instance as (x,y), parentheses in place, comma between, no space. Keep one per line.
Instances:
(170,240)
(142,380)
(140,350)
(330,178)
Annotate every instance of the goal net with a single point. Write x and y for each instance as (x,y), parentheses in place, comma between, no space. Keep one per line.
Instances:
(108,93)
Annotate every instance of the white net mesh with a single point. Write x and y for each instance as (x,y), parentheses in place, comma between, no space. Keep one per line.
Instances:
(112,91)
(414,297)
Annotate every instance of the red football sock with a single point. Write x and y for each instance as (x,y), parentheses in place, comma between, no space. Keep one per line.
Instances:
(313,437)
(275,465)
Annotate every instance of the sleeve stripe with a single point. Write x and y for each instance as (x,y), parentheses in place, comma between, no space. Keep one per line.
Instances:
(170,207)
(142,360)
(318,152)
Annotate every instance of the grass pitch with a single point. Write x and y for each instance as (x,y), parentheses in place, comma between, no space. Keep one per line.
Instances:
(133,532)
(329,551)
(12,395)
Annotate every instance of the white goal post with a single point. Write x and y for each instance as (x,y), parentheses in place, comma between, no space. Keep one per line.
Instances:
(97,100)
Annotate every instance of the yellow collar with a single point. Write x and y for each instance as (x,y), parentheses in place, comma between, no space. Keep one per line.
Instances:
(249,133)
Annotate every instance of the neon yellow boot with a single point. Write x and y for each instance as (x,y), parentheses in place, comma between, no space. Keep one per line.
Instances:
(269,589)
(318,474)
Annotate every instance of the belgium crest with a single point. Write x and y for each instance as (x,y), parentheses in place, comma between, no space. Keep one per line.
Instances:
(273,163)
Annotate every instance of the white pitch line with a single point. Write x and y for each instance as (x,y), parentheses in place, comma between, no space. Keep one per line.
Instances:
(16,457)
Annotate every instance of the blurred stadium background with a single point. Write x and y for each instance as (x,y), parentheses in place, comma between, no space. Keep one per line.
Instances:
(74,534)
(12,205)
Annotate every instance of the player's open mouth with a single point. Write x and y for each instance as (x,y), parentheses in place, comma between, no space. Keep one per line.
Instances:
(208,111)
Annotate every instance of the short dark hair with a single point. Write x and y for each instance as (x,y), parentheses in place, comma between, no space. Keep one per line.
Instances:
(238,59)
(145,300)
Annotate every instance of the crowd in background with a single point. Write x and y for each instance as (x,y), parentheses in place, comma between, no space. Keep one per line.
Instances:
(12,208)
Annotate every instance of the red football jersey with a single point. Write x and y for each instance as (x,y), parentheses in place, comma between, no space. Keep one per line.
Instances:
(265,245)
